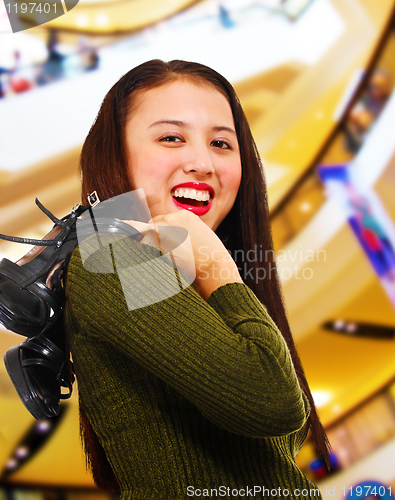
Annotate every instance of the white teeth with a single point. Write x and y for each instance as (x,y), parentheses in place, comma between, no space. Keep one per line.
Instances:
(192,194)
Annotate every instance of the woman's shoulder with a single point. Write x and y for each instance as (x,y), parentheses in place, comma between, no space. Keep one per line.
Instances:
(114,266)
(103,252)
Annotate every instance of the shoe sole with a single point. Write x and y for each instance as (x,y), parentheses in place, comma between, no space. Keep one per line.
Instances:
(23,386)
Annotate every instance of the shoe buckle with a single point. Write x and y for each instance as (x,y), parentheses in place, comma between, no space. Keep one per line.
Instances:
(93,199)
(76,207)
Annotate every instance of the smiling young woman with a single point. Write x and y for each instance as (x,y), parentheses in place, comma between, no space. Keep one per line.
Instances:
(203,388)
(182,147)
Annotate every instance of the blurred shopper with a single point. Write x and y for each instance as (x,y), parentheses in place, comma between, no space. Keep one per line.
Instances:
(3,71)
(20,78)
(52,69)
(367,109)
(90,59)
(224,17)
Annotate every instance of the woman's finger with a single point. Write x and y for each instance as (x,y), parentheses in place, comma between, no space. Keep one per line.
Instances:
(142,227)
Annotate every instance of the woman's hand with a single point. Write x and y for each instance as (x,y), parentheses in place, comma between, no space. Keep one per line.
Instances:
(198,251)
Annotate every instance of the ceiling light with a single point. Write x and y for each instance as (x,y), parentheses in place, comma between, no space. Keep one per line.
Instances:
(11,464)
(351,327)
(305,206)
(22,452)
(81,21)
(339,324)
(101,19)
(43,426)
(321,398)
(35,438)
(359,329)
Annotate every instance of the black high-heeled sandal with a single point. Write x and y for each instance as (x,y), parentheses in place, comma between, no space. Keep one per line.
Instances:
(39,367)
(31,293)
(27,304)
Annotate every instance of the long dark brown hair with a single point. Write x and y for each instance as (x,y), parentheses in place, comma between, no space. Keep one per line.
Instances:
(104,168)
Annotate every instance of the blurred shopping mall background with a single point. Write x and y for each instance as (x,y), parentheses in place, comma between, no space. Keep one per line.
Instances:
(316,80)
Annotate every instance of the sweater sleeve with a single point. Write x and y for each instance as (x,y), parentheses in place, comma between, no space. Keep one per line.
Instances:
(225,355)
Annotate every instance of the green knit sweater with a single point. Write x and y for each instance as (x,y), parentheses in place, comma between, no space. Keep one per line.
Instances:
(188,398)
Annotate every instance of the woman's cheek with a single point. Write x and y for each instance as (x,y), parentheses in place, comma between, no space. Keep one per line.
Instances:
(233,180)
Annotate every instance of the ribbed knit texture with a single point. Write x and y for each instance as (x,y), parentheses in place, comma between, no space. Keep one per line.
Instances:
(183,392)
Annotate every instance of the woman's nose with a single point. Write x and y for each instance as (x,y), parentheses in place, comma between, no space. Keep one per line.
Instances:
(200,162)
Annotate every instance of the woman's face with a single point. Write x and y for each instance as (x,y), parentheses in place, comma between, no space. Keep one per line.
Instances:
(183,151)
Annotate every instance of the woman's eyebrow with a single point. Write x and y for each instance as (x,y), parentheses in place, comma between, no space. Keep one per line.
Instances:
(180,123)
(228,129)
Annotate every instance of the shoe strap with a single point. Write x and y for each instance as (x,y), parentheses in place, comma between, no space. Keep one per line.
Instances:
(61,375)
(42,345)
(53,358)
(60,252)
(20,277)
(55,220)
(27,241)
(49,214)
(53,300)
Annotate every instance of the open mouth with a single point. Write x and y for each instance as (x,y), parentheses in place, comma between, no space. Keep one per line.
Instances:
(191,197)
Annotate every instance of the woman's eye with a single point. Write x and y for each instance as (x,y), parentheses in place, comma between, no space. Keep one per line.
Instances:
(221,144)
(170,138)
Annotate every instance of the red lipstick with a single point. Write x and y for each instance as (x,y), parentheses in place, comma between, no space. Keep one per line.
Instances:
(199,186)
